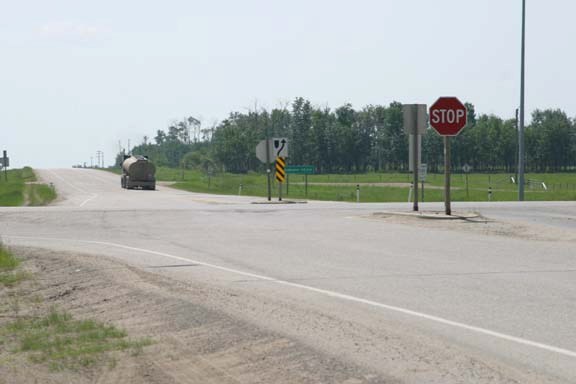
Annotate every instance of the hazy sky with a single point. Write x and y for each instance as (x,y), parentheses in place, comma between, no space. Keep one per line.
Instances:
(78,76)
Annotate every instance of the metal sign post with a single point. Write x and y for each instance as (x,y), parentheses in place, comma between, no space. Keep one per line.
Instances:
(5,163)
(467,168)
(447,203)
(268,181)
(280,174)
(300,170)
(422,174)
(268,149)
(448,116)
(279,191)
(467,189)
(415,162)
(415,123)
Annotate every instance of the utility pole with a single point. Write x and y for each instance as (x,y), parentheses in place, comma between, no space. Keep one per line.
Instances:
(99,156)
(521,154)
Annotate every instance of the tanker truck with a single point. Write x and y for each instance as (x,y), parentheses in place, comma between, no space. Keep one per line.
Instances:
(138,172)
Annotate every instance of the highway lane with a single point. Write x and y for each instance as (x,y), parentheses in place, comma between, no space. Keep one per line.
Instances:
(504,301)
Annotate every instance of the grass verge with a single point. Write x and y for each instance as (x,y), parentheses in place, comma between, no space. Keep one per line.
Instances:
(20,187)
(377,187)
(9,276)
(62,342)
(39,194)
(49,336)
(381,187)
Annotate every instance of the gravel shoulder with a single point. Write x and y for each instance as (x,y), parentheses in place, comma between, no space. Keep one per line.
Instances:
(206,333)
(472,223)
(193,341)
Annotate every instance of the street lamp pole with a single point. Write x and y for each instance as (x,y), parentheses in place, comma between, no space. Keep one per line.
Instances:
(521,149)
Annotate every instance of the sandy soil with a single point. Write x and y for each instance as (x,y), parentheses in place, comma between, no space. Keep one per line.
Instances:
(481,225)
(210,334)
(193,343)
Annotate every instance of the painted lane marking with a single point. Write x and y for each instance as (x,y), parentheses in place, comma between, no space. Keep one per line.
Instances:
(92,195)
(67,182)
(420,315)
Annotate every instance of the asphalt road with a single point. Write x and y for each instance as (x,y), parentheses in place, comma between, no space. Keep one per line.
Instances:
(413,300)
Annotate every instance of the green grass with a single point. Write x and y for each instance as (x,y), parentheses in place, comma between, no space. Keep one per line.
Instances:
(18,190)
(8,261)
(342,187)
(9,277)
(56,338)
(39,194)
(62,342)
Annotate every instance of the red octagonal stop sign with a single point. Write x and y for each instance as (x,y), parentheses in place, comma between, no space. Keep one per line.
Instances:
(448,116)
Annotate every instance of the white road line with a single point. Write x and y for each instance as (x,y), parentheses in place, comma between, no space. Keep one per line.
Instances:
(436,319)
(69,183)
(92,195)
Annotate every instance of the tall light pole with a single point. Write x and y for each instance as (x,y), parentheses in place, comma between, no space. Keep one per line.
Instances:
(521,154)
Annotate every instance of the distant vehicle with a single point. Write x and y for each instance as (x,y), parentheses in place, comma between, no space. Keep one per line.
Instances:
(138,173)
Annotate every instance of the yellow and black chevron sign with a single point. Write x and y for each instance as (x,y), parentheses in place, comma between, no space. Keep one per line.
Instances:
(280,169)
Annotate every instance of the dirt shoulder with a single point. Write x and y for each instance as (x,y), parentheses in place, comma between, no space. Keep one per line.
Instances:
(204,333)
(191,342)
(480,225)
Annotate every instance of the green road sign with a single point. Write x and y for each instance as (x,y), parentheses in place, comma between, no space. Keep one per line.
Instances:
(300,169)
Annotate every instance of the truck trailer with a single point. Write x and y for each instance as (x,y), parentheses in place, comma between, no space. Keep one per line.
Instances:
(138,173)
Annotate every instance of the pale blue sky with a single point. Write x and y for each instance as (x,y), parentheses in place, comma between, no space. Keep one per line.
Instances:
(78,76)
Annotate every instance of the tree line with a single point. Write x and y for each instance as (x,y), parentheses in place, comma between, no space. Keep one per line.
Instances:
(346,140)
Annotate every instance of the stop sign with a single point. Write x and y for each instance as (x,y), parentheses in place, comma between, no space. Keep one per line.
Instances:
(448,116)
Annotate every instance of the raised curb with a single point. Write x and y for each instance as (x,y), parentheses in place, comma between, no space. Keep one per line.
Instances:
(276,202)
(432,215)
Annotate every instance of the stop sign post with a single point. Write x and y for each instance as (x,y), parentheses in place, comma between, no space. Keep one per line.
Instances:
(448,116)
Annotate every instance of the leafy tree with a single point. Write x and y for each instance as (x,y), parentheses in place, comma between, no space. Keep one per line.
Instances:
(349,140)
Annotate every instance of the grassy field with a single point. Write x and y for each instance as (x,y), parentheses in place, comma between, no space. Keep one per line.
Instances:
(22,189)
(374,187)
(378,187)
